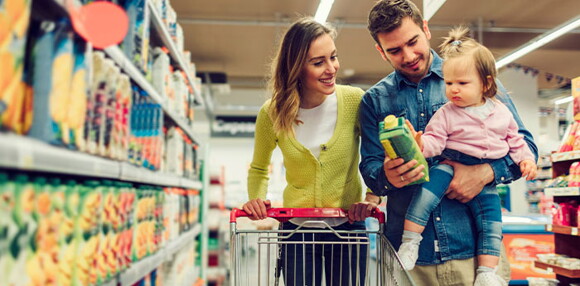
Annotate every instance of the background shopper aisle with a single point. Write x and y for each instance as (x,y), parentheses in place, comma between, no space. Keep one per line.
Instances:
(100,176)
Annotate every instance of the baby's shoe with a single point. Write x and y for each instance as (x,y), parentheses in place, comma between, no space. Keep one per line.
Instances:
(489,279)
(408,253)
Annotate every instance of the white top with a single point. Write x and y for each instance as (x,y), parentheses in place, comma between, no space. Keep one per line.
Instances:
(318,124)
(317,128)
(482,111)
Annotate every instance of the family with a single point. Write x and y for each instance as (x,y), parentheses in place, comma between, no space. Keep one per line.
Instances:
(447,231)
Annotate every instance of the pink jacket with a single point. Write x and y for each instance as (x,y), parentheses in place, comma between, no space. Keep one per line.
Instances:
(452,127)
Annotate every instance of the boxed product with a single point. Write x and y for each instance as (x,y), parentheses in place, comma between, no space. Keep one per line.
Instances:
(74,125)
(14,22)
(136,43)
(52,72)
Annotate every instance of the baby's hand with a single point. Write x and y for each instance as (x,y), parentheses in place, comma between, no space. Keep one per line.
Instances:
(416,135)
(528,169)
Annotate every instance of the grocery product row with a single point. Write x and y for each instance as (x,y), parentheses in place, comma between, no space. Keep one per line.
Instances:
(67,231)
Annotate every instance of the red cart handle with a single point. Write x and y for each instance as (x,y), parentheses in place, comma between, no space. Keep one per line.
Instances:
(283,214)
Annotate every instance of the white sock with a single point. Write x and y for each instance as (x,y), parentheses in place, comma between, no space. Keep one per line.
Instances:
(482,269)
(412,237)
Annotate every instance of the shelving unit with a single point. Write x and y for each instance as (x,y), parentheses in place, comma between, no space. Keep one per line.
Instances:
(148,264)
(25,154)
(558,270)
(566,238)
(29,154)
(538,201)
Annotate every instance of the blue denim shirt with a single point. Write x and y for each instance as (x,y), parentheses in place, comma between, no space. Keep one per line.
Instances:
(450,233)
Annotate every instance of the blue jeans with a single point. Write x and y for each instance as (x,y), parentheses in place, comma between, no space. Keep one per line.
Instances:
(485,207)
(343,264)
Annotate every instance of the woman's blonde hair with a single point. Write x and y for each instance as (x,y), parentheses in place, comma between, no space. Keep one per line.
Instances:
(458,44)
(287,69)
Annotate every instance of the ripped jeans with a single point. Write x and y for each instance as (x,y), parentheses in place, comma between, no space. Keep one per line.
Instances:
(485,207)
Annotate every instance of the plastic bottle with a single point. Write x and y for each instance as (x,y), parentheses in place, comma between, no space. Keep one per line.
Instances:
(399,143)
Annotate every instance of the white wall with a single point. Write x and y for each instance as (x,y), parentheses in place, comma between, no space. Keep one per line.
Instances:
(235,156)
(523,89)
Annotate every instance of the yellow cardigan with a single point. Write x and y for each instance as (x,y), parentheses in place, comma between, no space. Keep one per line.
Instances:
(332,180)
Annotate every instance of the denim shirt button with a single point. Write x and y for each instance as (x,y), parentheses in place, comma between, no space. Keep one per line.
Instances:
(438,218)
(422,114)
(421,90)
(502,178)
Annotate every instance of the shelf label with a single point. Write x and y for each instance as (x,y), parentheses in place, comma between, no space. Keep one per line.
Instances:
(550,270)
(548,227)
(574,231)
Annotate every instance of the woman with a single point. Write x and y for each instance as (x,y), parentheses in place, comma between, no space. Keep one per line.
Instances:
(314,123)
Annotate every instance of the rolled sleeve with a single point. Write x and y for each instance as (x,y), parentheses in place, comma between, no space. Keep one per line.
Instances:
(505,169)
(372,152)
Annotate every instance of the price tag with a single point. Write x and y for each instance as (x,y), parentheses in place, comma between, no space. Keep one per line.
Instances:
(548,227)
(574,231)
(550,270)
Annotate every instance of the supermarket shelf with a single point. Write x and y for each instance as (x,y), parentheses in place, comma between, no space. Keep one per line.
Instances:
(570,273)
(121,60)
(562,229)
(25,153)
(566,191)
(180,242)
(144,266)
(566,156)
(175,54)
(112,282)
(135,74)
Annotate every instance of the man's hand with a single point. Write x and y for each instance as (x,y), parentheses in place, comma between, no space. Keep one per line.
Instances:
(400,174)
(257,208)
(528,169)
(468,181)
(360,211)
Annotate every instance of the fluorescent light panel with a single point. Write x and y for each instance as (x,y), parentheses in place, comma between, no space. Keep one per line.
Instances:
(323,11)
(563,100)
(539,41)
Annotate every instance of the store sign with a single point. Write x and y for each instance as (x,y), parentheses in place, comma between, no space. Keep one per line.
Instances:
(430,7)
(233,126)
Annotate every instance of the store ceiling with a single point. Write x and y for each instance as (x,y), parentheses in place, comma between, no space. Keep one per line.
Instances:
(239,37)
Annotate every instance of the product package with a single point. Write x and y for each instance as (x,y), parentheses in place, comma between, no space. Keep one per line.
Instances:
(399,143)
(14,23)
(52,72)
(136,43)
(74,125)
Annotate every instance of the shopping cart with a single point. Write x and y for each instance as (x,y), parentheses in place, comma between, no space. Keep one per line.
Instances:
(259,257)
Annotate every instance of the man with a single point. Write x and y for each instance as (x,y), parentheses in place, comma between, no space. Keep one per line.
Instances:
(416,90)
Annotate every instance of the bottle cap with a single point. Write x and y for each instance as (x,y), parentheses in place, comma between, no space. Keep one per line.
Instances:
(390,122)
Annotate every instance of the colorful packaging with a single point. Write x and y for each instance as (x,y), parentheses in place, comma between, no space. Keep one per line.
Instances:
(41,266)
(52,73)
(73,127)
(14,22)
(136,43)
(22,235)
(8,227)
(68,240)
(399,143)
(93,116)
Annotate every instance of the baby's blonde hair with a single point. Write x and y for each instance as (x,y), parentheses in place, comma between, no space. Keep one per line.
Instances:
(458,44)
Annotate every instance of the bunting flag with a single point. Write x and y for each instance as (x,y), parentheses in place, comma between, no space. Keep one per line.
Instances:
(560,80)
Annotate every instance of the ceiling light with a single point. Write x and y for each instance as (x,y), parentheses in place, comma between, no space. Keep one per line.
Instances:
(539,41)
(563,100)
(323,11)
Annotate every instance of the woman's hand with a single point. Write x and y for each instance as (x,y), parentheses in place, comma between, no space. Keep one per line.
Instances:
(257,208)
(360,211)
